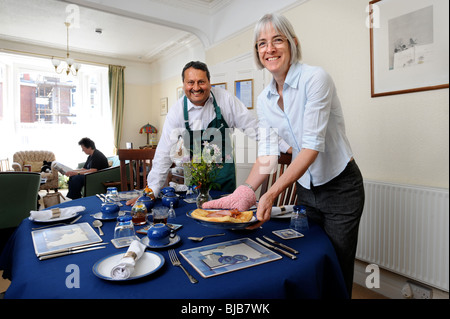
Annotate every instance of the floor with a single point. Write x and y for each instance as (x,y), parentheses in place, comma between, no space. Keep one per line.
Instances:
(359,292)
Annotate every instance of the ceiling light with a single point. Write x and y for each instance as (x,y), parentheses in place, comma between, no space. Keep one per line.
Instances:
(71,66)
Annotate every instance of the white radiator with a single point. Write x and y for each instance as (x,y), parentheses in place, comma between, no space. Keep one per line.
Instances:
(404,229)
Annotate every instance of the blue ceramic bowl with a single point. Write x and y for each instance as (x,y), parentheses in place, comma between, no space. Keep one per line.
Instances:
(158,235)
(109,208)
(170,198)
(167,189)
(148,202)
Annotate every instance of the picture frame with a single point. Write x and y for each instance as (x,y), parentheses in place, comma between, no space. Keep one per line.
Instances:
(180,92)
(408,46)
(243,89)
(164,105)
(220,85)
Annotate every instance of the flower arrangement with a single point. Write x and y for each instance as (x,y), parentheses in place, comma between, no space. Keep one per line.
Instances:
(204,166)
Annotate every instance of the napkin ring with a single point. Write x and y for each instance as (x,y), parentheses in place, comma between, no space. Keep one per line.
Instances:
(56,212)
(131,254)
(283,209)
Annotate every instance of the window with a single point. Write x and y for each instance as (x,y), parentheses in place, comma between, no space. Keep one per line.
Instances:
(43,110)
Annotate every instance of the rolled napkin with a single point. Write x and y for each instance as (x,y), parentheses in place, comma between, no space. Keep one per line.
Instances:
(282,210)
(124,269)
(242,199)
(49,214)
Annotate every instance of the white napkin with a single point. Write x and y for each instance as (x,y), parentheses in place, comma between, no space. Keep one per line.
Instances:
(124,269)
(48,214)
(178,187)
(282,210)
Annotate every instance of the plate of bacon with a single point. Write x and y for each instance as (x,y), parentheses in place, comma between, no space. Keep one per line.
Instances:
(222,219)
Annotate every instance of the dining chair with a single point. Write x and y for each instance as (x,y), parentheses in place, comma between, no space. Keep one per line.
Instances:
(140,163)
(289,195)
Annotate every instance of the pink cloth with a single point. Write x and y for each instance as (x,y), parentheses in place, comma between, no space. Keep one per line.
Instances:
(242,199)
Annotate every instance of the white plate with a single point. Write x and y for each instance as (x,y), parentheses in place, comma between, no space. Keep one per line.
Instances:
(172,241)
(146,265)
(56,219)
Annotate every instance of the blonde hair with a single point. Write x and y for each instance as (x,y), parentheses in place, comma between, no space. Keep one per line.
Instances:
(284,27)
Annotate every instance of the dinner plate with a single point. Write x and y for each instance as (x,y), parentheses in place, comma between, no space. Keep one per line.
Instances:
(220,225)
(146,265)
(102,216)
(129,195)
(172,241)
(56,219)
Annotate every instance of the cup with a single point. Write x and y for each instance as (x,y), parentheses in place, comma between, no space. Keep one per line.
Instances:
(109,209)
(158,235)
(160,215)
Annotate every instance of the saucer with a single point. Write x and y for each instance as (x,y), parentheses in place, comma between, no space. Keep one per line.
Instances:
(102,216)
(172,241)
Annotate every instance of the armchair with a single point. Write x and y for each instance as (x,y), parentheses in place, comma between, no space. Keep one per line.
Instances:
(35,159)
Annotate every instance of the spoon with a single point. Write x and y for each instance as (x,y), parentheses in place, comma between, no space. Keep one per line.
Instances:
(203,237)
(98,224)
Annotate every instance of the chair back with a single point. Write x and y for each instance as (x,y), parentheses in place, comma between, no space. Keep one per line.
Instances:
(18,196)
(289,195)
(140,161)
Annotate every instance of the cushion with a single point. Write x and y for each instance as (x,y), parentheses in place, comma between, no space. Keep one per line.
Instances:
(35,166)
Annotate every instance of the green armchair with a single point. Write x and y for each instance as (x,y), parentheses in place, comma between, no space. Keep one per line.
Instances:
(18,196)
(97,182)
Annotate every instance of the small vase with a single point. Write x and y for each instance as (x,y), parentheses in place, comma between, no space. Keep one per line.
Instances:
(203,197)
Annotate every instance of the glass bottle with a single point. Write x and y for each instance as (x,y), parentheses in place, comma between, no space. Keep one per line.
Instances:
(139,213)
(171,215)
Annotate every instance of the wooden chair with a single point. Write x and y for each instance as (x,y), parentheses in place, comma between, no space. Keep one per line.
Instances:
(289,195)
(140,163)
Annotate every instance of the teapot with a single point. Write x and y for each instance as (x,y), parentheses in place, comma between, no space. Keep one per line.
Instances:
(170,197)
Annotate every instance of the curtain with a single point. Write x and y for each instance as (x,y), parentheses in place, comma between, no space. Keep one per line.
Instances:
(116,98)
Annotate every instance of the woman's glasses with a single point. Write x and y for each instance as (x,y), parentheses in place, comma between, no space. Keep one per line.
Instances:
(277,42)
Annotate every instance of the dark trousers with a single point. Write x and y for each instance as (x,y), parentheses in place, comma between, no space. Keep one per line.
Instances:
(337,206)
(75,184)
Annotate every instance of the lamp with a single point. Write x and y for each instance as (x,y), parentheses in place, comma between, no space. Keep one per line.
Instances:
(71,67)
(148,129)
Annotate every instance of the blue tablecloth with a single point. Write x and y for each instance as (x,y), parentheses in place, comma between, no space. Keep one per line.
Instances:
(314,275)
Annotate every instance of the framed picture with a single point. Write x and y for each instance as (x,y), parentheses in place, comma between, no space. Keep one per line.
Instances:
(243,90)
(180,92)
(220,85)
(408,46)
(163,105)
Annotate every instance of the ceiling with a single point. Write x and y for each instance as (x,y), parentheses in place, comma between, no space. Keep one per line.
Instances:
(136,30)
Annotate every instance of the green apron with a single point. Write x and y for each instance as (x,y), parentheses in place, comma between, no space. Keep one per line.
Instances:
(226,177)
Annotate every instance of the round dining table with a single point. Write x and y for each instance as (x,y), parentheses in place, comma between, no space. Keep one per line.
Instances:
(314,274)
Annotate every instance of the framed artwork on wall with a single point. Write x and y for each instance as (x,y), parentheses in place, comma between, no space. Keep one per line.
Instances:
(180,92)
(243,90)
(220,85)
(163,105)
(408,46)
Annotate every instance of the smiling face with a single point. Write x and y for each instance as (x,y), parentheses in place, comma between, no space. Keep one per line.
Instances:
(275,56)
(196,86)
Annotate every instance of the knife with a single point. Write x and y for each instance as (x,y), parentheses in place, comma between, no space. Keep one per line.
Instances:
(69,252)
(276,248)
(280,244)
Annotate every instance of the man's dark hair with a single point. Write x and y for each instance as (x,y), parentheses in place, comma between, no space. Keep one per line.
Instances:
(87,142)
(196,65)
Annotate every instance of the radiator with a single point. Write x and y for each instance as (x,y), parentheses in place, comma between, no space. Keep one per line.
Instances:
(404,229)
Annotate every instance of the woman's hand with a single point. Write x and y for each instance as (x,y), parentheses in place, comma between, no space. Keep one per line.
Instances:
(131,202)
(264,210)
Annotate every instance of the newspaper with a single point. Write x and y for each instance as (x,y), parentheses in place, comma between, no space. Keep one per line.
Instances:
(63,169)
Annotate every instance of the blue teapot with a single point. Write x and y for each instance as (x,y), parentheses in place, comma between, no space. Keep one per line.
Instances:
(170,197)
(167,189)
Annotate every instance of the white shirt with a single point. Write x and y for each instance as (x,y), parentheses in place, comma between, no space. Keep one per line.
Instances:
(234,112)
(312,118)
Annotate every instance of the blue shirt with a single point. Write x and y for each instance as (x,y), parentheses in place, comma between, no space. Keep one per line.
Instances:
(312,119)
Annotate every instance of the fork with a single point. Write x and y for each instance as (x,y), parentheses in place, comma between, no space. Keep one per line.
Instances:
(176,262)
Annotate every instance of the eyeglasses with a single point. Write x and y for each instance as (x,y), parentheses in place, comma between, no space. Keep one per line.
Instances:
(277,41)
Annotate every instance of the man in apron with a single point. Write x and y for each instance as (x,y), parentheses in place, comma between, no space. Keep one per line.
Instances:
(205,113)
